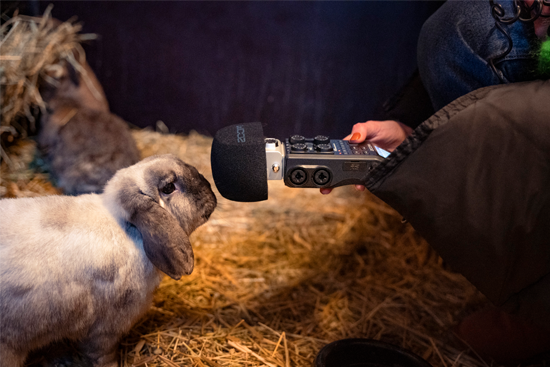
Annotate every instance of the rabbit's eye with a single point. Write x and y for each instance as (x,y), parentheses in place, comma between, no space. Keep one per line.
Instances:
(168,188)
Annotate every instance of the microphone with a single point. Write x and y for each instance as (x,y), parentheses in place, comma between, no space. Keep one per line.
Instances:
(238,162)
(243,160)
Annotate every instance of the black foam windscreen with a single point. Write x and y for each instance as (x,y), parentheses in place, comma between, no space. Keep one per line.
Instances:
(239,162)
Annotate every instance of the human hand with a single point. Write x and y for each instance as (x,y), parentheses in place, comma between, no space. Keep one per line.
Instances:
(385,134)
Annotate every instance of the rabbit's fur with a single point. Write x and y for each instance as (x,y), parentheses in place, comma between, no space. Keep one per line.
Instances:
(83,143)
(84,147)
(75,81)
(84,268)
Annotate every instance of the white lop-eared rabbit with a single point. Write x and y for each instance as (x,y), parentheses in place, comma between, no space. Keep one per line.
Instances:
(84,268)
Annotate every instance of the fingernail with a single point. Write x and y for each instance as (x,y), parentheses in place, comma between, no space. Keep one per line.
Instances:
(356,136)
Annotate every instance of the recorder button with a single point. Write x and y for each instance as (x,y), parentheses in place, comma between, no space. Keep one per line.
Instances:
(323,148)
(296,139)
(321,139)
(300,147)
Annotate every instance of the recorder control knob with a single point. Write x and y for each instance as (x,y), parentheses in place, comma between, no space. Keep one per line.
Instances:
(323,148)
(297,139)
(321,139)
(300,147)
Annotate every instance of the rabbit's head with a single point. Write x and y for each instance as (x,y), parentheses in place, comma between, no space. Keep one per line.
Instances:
(72,79)
(165,199)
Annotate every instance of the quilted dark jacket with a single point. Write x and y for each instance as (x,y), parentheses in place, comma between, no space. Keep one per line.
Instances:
(474,181)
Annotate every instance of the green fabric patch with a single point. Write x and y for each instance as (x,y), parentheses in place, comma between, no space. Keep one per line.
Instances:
(544,59)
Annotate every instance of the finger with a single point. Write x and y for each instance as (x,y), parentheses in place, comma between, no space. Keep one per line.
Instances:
(365,130)
(358,132)
(355,137)
(325,191)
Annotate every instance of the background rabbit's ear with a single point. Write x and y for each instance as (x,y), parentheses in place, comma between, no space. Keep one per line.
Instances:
(72,74)
(166,244)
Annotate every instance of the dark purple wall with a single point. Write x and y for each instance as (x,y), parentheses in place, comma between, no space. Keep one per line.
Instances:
(301,67)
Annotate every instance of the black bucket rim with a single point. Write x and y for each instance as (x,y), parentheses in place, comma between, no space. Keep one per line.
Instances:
(358,345)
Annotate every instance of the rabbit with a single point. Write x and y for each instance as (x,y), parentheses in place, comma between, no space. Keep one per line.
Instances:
(83,143)
(84,268)
(84,147)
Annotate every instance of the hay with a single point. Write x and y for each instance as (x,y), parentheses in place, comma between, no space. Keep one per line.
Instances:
(32,48)
(275,281)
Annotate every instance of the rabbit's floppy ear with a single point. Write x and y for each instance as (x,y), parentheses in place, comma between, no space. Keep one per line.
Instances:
(165,243)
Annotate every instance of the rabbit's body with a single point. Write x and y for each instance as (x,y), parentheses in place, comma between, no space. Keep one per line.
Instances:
(85,147)
(87,293)
(82,268)
(83,143)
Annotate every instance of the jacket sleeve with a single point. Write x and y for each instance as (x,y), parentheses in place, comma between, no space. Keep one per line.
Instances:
(474,181)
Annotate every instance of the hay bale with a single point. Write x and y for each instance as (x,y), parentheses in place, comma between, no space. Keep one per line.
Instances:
(32,49)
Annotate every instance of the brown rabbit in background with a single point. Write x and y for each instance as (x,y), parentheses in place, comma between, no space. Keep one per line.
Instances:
(82,142)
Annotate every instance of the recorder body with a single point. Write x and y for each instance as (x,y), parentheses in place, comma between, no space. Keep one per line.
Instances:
(319,161)
(243,160)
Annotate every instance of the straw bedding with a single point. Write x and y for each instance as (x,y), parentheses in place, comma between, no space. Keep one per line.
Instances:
(274,281)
